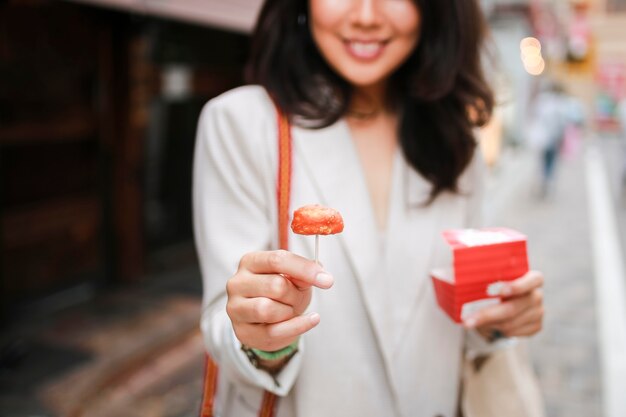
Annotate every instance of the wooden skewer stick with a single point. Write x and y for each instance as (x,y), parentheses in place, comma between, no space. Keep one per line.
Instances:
(317,249)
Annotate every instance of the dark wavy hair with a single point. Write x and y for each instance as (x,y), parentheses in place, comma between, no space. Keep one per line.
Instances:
(440,90)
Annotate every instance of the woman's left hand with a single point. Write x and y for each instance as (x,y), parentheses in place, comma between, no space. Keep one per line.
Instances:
(519,314)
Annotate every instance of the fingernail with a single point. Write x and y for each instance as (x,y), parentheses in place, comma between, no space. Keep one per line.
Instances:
(324,280)
(495,289)
(506,290)
(470,323)
(314,317)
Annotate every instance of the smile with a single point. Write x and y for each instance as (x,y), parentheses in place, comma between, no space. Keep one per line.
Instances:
(365,50)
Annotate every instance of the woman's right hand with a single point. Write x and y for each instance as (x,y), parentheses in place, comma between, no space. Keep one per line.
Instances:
(268,296)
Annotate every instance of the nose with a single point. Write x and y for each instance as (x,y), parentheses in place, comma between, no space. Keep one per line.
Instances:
(366,12)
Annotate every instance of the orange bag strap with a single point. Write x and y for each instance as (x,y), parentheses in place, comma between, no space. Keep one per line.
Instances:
(284,178)
(283,197)
(210,387)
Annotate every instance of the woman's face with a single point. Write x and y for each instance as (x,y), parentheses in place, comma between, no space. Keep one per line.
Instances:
(365,41)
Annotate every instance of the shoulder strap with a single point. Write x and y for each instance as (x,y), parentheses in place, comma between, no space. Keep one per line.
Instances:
(284,178)
(283,197)
(210,387)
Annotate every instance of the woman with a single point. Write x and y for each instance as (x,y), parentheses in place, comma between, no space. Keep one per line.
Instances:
(383,96)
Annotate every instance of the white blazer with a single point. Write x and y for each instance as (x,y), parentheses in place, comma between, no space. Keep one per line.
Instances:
(383,347)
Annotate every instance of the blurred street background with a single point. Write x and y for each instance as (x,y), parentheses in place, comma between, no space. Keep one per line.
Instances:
(99,284)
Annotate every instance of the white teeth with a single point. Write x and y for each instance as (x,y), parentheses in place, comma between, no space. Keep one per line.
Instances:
(365,49)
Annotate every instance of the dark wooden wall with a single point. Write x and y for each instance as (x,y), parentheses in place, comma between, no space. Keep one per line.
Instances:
(78,90)
(51,178)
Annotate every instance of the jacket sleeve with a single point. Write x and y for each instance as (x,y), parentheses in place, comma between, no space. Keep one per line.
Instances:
(233,213)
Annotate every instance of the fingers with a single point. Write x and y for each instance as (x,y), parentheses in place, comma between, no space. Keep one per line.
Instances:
(275,287)
(294,327)
(268,294)
(272,337)
(303,272)
(521,295)
(523,285)
(527,330)
(258,310)
(496,314)
(505,311)
(527,322)
(264,299)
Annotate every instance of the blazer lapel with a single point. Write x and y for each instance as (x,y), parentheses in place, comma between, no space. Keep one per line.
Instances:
(330,159)
(413,229)
(391,288)
(415,234)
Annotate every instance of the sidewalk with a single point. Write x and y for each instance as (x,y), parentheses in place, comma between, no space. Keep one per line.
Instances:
(135,352)
(614,152)
(565,353)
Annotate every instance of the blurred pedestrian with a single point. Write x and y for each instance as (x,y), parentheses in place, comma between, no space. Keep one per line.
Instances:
(574,129)
(383,98)
(555,115)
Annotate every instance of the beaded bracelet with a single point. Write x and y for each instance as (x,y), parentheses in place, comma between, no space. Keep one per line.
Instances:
(277,354)
(256,355)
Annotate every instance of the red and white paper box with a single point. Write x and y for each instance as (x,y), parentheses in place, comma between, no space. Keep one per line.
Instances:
(482,260)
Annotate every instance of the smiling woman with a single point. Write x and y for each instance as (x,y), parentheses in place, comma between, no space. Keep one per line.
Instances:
(365,44)
(382,98)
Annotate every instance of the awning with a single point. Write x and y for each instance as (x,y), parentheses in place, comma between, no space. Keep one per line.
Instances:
(237,15)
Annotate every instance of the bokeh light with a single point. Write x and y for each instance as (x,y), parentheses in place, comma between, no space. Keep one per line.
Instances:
(531,56)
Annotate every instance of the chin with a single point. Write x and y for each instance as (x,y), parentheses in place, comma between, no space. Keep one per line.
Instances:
(364,80)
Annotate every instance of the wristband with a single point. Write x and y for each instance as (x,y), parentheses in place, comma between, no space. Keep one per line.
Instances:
(256,355)
(277,354)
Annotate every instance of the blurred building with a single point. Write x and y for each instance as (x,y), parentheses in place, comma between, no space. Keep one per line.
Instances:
(579,42)
(588,53)
(98,108)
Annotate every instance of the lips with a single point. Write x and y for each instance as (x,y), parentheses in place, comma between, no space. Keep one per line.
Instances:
(365,50)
